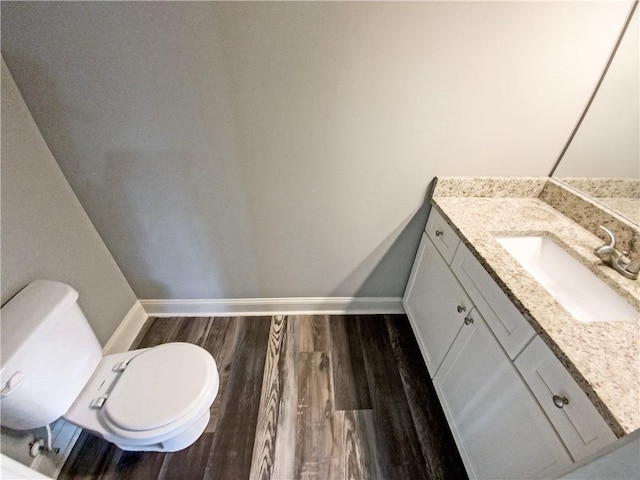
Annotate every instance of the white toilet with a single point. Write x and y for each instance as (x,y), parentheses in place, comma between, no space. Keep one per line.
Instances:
(151,399)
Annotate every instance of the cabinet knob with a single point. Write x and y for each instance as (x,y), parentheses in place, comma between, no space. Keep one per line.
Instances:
(468,320)
(439,233)
(461,308)
(559,401)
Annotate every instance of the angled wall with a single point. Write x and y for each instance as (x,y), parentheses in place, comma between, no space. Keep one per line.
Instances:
(45,231)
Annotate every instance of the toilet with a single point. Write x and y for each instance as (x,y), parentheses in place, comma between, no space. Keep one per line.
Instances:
(150,399)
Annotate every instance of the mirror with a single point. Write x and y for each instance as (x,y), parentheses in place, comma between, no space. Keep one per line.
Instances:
(602,157)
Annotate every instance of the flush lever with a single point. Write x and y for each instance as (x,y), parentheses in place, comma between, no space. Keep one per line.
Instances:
(12,384)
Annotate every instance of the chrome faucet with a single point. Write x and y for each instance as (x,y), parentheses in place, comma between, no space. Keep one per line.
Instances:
(617,260)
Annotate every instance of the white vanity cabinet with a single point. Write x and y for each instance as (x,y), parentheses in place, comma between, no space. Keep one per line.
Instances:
(470,333)
(499,428)
(435,303)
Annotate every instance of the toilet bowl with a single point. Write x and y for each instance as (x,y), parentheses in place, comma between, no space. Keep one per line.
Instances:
(143,399)
(150,399)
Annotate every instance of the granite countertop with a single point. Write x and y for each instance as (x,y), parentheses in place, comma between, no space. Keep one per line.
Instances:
(603,357)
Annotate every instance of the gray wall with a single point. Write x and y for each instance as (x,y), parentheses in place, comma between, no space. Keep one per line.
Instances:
(45,231)
(228,150)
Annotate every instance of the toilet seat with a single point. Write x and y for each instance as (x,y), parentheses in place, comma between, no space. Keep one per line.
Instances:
(148,396)
(159,386)
(160,390)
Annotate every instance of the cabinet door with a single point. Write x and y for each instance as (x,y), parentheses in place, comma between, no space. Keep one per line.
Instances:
(435,304)
(499,428)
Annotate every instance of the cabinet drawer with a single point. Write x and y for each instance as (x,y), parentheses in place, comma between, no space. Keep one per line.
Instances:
(507,323)
(581,427)
(442,235)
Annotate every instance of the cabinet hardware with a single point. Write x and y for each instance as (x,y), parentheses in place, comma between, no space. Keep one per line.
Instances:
(461,308)
(468,320)
(439,233)
(559,401)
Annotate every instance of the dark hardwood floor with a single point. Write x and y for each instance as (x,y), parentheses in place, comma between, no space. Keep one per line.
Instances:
(301,397)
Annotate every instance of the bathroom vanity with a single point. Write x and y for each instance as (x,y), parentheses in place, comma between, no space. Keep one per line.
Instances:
(526,388)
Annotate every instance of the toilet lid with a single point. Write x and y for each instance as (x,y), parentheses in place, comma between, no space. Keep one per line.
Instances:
(159,386)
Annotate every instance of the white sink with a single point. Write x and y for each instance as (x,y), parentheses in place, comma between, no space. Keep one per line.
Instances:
(572,284)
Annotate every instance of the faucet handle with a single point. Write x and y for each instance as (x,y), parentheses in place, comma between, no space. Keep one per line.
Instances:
(612,239)
(633,268)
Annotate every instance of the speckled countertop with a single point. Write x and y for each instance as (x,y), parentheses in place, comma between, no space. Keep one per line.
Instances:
(603,357)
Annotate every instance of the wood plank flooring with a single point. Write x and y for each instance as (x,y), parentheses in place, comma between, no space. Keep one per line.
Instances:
(301,397)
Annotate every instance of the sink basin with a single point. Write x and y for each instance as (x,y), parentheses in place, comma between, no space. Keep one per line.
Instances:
(572,284)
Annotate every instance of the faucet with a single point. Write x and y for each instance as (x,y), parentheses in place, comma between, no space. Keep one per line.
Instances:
(617,260)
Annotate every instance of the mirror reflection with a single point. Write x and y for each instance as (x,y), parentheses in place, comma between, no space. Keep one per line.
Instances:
(603,158)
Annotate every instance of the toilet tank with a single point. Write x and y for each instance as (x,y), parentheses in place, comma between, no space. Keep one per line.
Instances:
(48,354)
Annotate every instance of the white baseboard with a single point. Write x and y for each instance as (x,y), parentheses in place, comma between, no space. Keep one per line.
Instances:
(271,306)
(127,331)
(133,322)
(66,434)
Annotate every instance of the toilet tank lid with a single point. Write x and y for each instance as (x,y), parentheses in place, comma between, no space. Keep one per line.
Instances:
(38,305)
